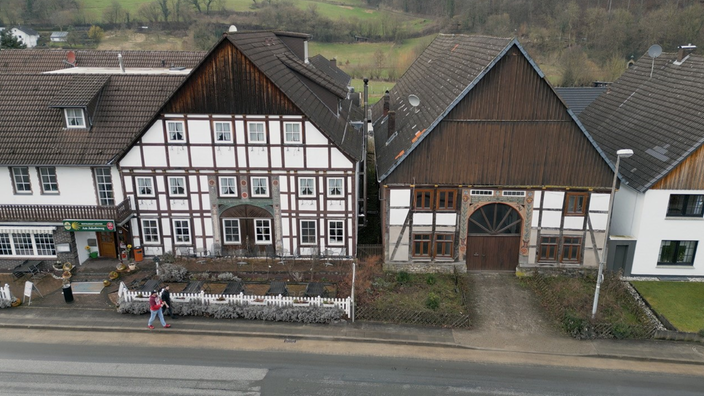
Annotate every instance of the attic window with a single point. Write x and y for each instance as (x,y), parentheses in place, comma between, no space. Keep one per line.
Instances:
(75,118)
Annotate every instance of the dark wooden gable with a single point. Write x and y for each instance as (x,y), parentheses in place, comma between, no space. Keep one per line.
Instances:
(688,175)
(511,129)
(226,82)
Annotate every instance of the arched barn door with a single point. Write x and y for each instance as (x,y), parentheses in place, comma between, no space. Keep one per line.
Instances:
(494,238)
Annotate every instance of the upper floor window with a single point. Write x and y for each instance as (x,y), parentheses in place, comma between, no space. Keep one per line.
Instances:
(306,187)
(576,204)
(228,186)
(177,186)
(176,131)
(260,187)
(336,232)
(677,252)
(446,199)
(103,180)
(292,132)
(74,118)
(256,132)
(685,205)
(20,176)
(336,187)
(223,132)
(47,175)
(424,199)
(145,187)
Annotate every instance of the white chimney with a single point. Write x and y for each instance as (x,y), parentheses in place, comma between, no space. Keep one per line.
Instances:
(122,66)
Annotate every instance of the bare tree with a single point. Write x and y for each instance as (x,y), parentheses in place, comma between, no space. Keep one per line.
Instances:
(164,7)
(114,13)
(150,12)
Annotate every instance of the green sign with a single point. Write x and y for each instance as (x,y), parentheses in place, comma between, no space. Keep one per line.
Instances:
(90,225)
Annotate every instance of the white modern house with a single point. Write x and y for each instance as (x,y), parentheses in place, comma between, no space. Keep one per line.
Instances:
(254,154)
(655,110)
(27,35)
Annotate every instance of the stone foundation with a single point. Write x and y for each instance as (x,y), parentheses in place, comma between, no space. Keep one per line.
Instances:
(572,272)
(426,267)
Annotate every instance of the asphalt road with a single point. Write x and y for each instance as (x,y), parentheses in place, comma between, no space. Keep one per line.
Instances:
(29,368)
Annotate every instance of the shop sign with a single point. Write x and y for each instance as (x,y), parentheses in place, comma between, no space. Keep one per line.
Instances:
(89,225)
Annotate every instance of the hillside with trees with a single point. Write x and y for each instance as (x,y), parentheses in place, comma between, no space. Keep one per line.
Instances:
(575,41)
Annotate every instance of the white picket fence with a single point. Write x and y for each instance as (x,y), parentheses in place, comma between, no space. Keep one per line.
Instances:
(5,293)
(343,303)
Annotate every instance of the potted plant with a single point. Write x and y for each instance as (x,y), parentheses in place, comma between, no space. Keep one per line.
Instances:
(121,267)
(257,301)
(113,275)
(58,265)
(300,303)
(66,275)
(106,283)
(91,254)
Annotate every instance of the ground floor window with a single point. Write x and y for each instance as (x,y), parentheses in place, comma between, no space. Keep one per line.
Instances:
(336,232)
(548,249)
(182,232)
(150,231)
(27,244)
(571,248)
(421,245)
(262,231)
(231,231)
(444,245)
(308,232)
(677,252)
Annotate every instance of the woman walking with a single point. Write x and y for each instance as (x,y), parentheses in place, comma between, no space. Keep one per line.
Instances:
(155,305)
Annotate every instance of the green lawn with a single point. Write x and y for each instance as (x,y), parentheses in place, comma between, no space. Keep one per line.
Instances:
(682,303)
(349,55)
(376,88)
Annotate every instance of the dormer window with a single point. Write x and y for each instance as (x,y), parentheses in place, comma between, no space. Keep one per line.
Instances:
(75,118)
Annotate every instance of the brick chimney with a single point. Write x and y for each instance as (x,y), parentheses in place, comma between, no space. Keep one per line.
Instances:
(684,51)
(333,62)
(386,103)
(391,124)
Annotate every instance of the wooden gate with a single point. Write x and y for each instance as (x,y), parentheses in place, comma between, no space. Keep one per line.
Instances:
(494,238)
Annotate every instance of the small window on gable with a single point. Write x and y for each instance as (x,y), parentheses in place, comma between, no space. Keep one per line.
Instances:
(424,199)
(576,204)
(176,131)
(74,118)
(223,132)
(292,132)
(256,132)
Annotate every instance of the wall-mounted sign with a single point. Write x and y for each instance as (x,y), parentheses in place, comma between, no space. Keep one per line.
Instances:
(89,225)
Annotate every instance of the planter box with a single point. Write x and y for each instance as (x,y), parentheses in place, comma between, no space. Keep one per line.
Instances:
(218,301)
(93,255)
(301,304)
(252,302)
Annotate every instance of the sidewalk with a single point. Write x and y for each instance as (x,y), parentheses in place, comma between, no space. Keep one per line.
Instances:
(77,318)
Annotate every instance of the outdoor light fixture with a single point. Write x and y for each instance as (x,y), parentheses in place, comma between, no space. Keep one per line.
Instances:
(623,153)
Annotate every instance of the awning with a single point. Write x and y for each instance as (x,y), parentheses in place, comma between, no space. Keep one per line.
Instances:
(28,229)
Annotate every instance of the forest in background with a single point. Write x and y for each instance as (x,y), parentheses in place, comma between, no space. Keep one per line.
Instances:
(575,42)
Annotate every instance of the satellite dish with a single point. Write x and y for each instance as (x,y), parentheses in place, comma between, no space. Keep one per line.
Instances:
(71,57)
(654,51)
(232,28)
(413,100)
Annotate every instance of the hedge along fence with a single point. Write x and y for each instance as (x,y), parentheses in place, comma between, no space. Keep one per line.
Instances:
(579,325)
(256,302)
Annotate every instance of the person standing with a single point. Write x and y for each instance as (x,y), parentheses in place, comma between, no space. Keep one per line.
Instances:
(166,298)
(155,305)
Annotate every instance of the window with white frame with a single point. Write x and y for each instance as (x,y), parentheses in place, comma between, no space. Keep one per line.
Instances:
(262,231)
(103,180)
(228,186)
(20,176)
(177,186)
(260,187)
(292,132)
(306,187)
(47,176)
(145,186)
(176,131)
(150,231)
(223,132)
(308,232)
(336,232)
(256,132)
(336,187)
(231,231)
(27,244)
(481,192)
(74,118)
(182,232)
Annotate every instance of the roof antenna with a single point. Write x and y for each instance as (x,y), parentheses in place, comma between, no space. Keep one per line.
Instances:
(654,51)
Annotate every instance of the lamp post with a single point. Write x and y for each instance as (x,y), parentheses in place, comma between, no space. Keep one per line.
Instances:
(623,153)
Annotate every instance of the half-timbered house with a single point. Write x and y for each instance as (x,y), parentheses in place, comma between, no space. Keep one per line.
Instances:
(482,166)
(253,154)
(655,109)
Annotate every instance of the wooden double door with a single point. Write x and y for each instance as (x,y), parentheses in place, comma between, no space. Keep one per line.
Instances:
(494,238)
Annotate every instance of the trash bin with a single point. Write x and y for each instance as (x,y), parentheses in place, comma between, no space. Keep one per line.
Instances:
(138,254)
(68,293)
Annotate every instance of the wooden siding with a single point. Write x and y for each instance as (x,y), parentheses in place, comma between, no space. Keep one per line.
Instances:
(228,83)
(117,213)
(689,175)
(510,130)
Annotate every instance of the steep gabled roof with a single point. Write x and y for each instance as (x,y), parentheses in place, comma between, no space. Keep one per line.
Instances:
(323,64)
(272,57)
(42,60)
(578,98)
(659,117)
(27,30)
(33,133)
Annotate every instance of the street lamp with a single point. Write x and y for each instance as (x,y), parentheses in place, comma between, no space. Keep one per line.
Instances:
(623,153)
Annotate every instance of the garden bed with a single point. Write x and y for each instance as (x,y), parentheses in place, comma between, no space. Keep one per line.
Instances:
(569,300)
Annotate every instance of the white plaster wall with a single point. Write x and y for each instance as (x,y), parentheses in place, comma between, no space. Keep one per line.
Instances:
(317,157)
(537,199)
(551,219)
(626,209)
(446,219)
(293,157)
(225,157)
(274,132)
(242,157)
(133,158)
(400,198)
(199,131)
(155,133)
(598,202)
(656,227)
(178,156)
(276,157)
(154,156)
(573,223)
(313,135)
(397,216)
(76,187)
(338,160)
(553,199)
(202,157)
(82,242)
(422,219)
(258,157)
(599,221)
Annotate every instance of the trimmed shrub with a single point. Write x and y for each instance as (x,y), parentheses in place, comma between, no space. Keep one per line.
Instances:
(172,273)
(226,276)
(433,301)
